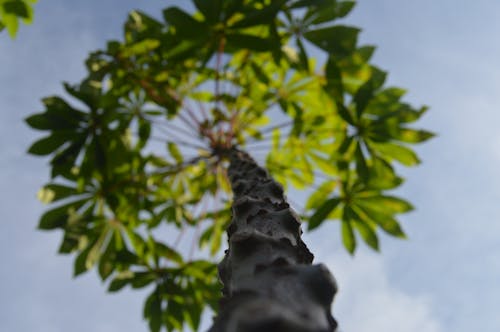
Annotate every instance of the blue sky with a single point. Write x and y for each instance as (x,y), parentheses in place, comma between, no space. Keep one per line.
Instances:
(444,278)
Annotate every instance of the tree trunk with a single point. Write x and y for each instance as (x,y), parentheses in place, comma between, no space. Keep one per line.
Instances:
(269,282)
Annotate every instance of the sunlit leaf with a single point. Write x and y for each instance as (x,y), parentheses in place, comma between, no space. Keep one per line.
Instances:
(175,152)
(348,238)
(397,152)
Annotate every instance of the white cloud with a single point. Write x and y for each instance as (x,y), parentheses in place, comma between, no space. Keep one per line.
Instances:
(368,302)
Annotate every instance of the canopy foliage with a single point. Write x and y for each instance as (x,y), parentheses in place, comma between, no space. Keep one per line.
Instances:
(137,149)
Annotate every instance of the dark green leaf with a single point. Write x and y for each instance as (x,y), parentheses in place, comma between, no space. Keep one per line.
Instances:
(345,113)
(49,144)
(68,244)
(16,7)
(334,81)
(346,144)
(322,212)
(328,11)
(306,3)
(363,96)
(259,16)
(144,132)
(86,92)
(142,279)
(259,73)
(303,58)
(152,311)
(340,40)
(385,221)
(185,25)
(118,283)
(361,166)
(365,230)
(211,10)
(348,238)
(168,253)
(58,217)
(54,192)
(80,265)
(107,260)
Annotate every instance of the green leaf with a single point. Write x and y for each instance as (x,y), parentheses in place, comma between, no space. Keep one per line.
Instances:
(348,238)
(365,230)
(317,197)
(185,25)
(305,3)
(58,217)
(80,265)
(152,311)
(339,40)
(303,58)
(174,316)
(168,253)
(328,11)
(142,279)
(17,8)
(363,96)
(384,204)
(334,81)
(346,114)
(384,221)
(397,152)
(412,136)
(141,47)
(211,10)
(107,260)
(11,22)
(322,212)
(361,166)
(54,192)
(175,152)
(118,283)
(49,144)
(382,175)
(255,17)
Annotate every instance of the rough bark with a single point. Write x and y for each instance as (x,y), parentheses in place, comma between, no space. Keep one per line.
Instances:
(269,282)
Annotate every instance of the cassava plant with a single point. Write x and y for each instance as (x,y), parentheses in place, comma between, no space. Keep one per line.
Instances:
(170,125)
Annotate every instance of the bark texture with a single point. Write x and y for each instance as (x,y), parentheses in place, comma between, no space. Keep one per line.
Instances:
(269,282)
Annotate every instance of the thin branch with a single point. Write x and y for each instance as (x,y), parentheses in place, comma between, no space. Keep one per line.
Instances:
(284,167)
(179,142)
(172,126)
(179,167)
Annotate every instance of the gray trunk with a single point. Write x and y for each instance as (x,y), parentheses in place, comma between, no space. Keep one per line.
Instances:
(269,282)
